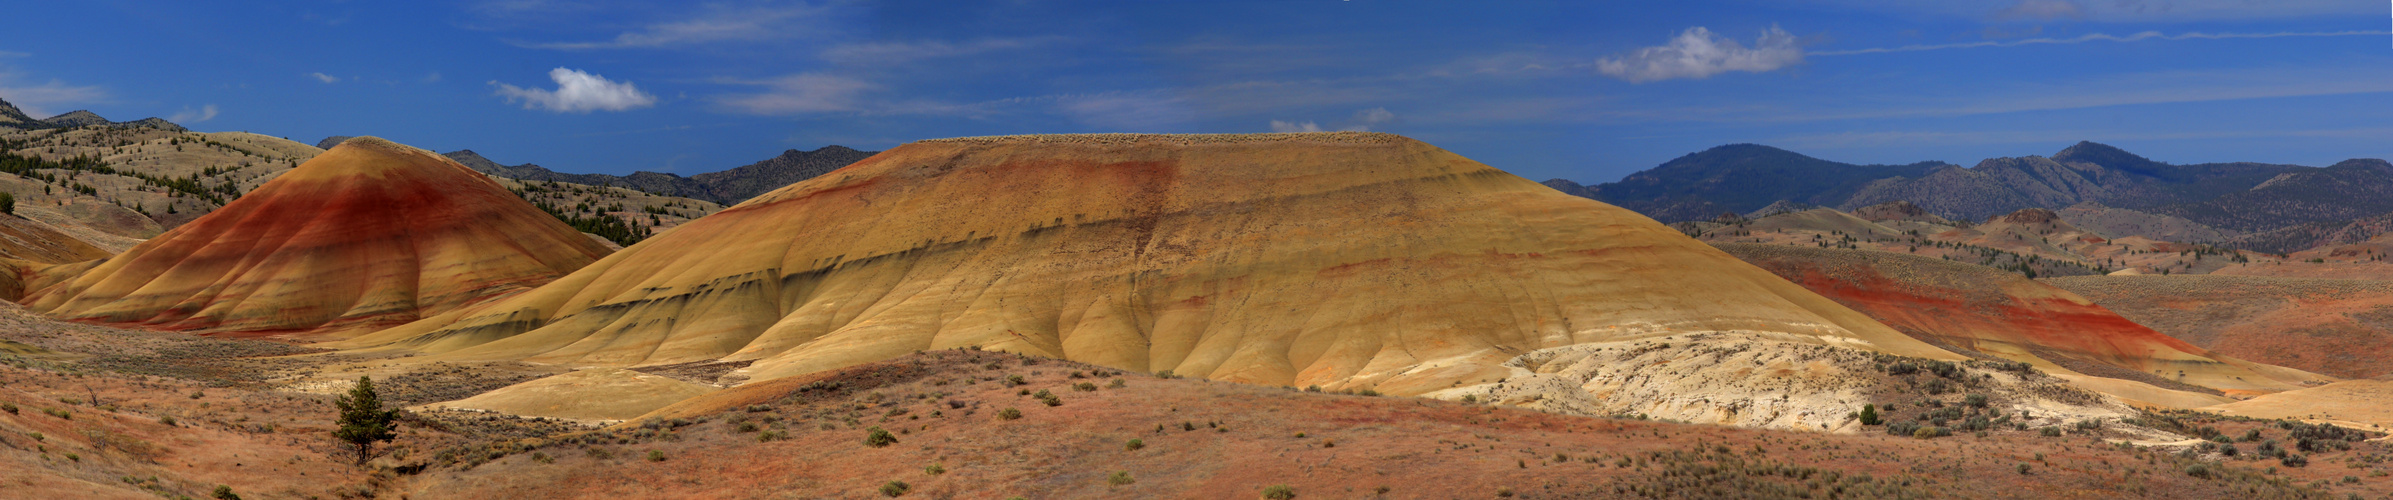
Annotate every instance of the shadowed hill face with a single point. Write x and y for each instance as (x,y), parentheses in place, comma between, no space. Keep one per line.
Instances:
(367,235)
(1347,260)
(2002,314)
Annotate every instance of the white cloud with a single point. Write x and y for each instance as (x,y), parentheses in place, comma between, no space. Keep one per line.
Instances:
(321,77)
(1280,126)
(1362,122)
(897,52)
(2043,9)
(717,25)
(1697,53)
(188,115)
(801,94)
(432,78)
(1365,119)
(578,92)
(2101,37)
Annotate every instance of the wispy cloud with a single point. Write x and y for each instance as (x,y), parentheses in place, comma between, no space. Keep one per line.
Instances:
(431,78)
(2164,87)
(1281,126)
(803,93)
(321,77)
(1697,53)
(578,92)
(2043,9)
(2100,37)
(898,52)
(188,115)
(45,99)
(717,24)
(1915,138)
(1361,122)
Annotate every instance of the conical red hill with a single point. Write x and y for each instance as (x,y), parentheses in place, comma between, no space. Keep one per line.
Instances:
(367,235)
(1346,260)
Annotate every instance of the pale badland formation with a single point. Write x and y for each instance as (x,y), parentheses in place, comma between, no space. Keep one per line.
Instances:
(1316,315)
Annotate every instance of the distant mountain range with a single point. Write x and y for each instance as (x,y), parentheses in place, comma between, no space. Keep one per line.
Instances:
(13,118)
(728,187)
(2195,202)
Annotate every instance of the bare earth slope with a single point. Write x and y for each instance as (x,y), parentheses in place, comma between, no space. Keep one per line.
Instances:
(2330,326)
(368,235)
(1346,260)
(1972,308)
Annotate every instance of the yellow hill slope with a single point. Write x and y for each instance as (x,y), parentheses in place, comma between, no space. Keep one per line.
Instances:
(1347,260)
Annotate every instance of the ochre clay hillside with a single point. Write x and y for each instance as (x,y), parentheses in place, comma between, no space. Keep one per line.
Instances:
(1968,308)
(1350,261)
(368,235)
(2331,326)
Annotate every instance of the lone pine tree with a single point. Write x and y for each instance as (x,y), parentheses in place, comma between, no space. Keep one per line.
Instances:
(363,421)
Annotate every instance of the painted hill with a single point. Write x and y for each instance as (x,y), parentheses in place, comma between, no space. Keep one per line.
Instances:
(368,235)
(1974,309)
(2330,326)
(1344,260)
(728,187)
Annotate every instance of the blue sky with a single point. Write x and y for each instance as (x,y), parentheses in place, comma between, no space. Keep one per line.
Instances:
(1584,90)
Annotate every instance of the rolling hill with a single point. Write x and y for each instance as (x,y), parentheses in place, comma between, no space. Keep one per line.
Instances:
(1349,261)
(368,235)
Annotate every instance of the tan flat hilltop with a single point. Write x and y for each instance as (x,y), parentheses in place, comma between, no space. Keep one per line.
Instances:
(368,235)
(1345,260)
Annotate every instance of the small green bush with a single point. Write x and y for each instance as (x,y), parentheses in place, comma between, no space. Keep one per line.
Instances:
(225,493)
(1279,492)
(656,456)
(1009,414)
(1119,477)
(10,408)
(1134,445)
(934,469)
(895,489)
(876,437)
(1869,415)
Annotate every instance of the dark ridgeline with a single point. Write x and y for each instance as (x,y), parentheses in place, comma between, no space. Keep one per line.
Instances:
(2289,207)
(727,187)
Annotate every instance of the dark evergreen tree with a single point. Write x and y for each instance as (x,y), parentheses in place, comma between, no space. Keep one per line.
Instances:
(363,421)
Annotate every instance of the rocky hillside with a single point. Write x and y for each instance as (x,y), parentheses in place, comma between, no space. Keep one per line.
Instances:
(13,118)
(2347,190)
(2331,326)
(113,186)
(1738,178)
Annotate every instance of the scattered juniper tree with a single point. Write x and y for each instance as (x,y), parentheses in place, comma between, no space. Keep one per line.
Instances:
(363,421)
